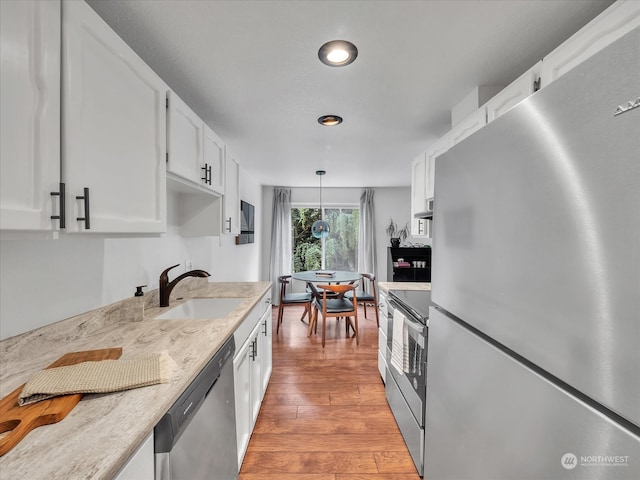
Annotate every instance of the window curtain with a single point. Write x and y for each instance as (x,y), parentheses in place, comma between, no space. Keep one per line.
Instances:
(367,233)
(280,263)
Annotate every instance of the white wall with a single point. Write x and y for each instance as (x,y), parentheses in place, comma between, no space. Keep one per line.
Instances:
(392,202)
(43,281)
(240,263)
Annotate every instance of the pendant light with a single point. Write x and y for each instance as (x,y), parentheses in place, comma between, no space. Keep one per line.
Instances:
(320,228)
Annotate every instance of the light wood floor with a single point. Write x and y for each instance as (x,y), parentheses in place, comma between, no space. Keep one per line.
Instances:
(324,414)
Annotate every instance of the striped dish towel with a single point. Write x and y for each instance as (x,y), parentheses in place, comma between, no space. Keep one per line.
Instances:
(97,377)
(399,343)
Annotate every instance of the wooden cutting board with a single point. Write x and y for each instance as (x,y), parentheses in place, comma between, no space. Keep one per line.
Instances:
(17,421)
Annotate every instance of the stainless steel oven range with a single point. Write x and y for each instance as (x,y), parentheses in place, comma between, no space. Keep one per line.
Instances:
(405,388)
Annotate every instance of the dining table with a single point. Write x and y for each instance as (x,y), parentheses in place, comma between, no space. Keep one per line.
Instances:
(326,276)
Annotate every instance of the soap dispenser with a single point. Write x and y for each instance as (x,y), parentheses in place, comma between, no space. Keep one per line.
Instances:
(138,313)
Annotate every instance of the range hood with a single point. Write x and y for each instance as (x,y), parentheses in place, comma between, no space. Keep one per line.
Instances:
(427,213)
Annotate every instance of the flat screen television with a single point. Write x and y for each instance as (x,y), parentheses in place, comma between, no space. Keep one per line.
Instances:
(246,223)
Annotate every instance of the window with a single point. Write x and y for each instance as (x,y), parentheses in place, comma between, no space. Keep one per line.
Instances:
(339,251)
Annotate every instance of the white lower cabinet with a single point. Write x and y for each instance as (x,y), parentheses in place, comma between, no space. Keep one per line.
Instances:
(252,364)
(245,394)
(382,363)
(266,336)
(256,373)
(141,464)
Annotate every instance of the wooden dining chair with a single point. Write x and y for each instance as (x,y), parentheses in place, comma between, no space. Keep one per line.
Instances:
(367,294)
(289,299)
(335,307)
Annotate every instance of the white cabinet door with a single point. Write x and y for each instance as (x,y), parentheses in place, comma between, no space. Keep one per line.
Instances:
(437,149)
(469,125)
(213,161)
(242,386)
(114,130)
(620,18)
(185,140)
(418,193)
(231,201)
(256,373)
(266,360)
(249,373)
(513,94)
(30,122)
(382,363)
(141,465)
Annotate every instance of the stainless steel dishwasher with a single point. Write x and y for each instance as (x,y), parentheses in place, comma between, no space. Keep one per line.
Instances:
(196,438)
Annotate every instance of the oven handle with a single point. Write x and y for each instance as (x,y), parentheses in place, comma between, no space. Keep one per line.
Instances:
(416,326)
(410,320)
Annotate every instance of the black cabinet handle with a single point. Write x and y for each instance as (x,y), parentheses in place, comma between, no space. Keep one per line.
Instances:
(86,219)
(229,222)
(61,216)
(207,174)
(264,324)
(254,349)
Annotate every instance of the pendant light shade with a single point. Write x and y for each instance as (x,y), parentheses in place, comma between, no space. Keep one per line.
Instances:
(320,228)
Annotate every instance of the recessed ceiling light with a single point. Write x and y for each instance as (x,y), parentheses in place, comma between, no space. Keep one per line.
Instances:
(330,120)
(337,53)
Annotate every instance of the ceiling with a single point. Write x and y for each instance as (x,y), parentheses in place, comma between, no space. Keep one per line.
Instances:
(250,70)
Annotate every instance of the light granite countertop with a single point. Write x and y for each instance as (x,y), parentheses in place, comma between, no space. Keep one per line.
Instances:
(102,431)
(386,286)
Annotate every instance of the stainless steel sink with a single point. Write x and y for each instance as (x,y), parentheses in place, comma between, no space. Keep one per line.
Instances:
(202,308)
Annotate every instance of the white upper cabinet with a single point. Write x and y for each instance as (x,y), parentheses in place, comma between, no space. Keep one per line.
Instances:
(469,125)
(114,130)
(213,167)
(231,203)
(30,122)
(438,148)
(620,18)
(513,94)
(196,153)
(418,194)
(185,142)
(422,184)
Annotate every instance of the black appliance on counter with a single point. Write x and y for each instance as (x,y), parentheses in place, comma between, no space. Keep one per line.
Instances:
(405,383)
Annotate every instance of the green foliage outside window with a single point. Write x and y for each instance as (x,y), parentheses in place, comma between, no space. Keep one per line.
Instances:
(340,247)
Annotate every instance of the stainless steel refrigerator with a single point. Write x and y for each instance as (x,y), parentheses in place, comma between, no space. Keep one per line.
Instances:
(533,367)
